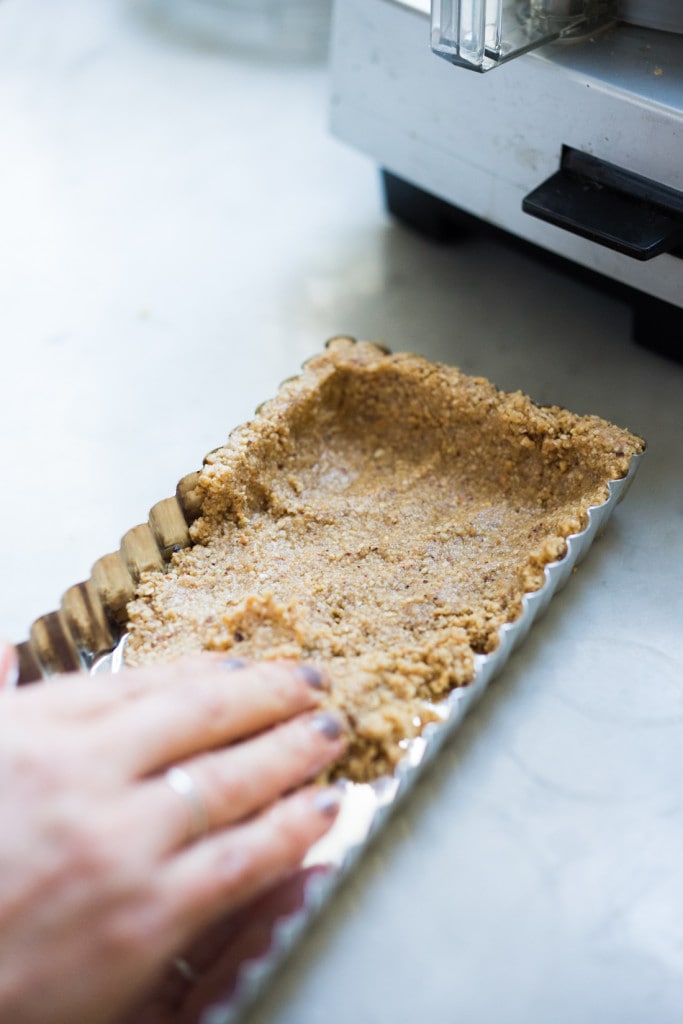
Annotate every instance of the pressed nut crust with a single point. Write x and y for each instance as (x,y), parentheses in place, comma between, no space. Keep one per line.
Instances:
(383,516)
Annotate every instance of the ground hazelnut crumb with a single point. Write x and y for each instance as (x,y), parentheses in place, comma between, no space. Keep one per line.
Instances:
(382,516)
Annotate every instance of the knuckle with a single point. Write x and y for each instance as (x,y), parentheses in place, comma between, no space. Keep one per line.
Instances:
(124,936)
(286,687)
(75,857)
(86,852)
(297,747)
(291,829)
(281,692)
(216,786)
(135,684)
(237,867)
(38,770)
(201,701)
(134,930)
(276,842)
(307,743)
(206,704)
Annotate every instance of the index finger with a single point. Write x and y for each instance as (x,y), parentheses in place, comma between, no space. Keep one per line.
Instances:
(205,707)
(85,695)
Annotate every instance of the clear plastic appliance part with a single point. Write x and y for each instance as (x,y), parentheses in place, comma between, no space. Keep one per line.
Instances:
(480,34)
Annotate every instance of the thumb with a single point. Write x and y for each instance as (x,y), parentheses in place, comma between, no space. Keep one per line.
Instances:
(9,666)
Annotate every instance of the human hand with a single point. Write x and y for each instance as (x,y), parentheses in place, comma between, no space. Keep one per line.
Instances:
(208,974)
(103,879)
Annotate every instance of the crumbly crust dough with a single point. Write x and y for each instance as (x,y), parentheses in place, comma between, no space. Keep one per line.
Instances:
(382,516)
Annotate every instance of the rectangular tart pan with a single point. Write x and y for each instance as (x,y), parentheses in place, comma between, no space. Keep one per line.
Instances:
(88,632)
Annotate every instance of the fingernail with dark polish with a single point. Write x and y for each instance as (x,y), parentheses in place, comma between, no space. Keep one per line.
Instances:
(329,725)
(315,677)
(328,802)
(231,664)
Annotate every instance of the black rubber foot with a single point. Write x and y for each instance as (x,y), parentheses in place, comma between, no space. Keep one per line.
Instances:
(658,325)
(429,216)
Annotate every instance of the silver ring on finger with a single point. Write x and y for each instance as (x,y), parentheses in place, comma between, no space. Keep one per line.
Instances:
(185,970)
(182,783)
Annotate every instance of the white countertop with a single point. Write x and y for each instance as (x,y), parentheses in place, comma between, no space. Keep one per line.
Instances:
(178,232)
